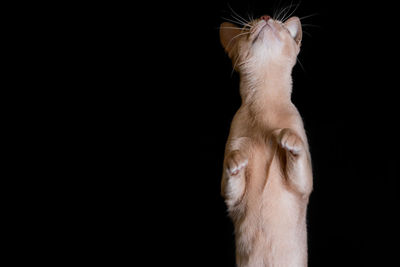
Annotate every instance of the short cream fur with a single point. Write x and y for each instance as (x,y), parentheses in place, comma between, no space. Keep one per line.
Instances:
(267,176)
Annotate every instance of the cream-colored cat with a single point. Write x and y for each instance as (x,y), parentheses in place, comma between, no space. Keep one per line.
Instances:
(267,176)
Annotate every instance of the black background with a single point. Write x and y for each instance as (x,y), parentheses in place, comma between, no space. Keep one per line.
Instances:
(185,96)
(126,110)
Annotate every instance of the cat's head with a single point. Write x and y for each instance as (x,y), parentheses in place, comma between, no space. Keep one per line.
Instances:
(262,42)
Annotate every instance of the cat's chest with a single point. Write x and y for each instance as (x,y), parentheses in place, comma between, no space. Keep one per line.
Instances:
(268,121)
(260,124)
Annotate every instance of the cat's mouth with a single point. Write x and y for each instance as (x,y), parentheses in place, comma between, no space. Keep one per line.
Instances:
(260,30)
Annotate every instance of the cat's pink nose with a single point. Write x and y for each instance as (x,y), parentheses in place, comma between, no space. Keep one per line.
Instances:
(265,17)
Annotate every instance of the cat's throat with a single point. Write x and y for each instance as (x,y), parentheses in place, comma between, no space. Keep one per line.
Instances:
(261,89)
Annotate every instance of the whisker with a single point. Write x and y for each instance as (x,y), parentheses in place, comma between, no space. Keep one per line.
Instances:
(235,22)
(276,8)
(240,64)
(234,65)
(236,61)
(312,15)
(240,34)
(237,15)
(307,33)
(284,10)
(239,19)
(250,17)
(301,65)
(236,37)
(273,11)
(287,11)
(236,28)
(249,14)
(311,25)
(295,9)
(280,12)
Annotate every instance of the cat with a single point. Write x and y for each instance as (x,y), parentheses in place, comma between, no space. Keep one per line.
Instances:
(267,172)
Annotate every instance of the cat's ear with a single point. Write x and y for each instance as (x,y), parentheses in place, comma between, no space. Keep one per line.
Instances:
(294,26)
(227,32)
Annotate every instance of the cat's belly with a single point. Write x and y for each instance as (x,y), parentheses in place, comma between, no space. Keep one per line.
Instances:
(273,230)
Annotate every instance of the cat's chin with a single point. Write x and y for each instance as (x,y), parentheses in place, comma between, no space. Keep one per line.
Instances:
(260,30)
(266,35)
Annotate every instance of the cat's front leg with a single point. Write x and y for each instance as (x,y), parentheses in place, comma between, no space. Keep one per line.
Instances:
(234,174)
(236,161)
(233,179)
(297,163)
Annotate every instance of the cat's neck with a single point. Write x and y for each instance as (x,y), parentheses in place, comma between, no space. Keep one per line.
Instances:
(268,88)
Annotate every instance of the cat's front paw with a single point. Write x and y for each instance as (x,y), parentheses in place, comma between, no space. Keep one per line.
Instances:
(290,141)
(235,162)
